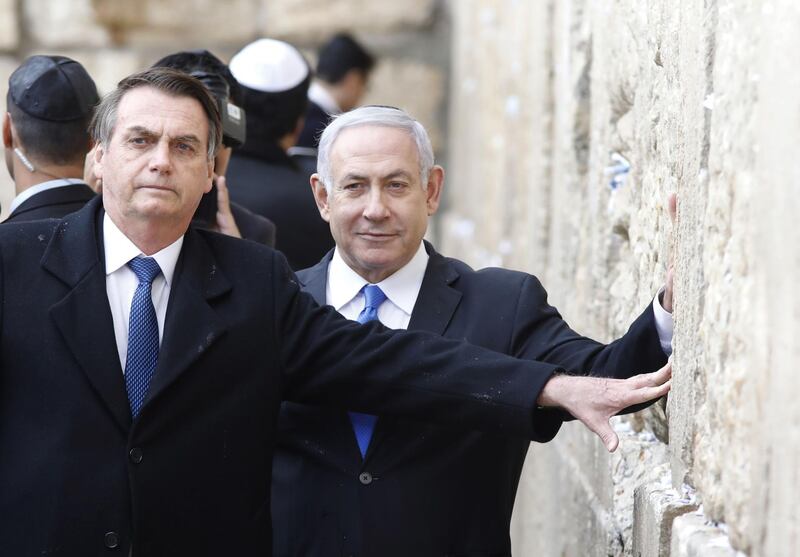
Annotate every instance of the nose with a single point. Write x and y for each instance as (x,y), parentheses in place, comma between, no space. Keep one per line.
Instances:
(160,157)
(376,208)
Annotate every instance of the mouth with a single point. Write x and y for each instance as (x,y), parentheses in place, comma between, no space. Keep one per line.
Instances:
(376,236)
(155,187)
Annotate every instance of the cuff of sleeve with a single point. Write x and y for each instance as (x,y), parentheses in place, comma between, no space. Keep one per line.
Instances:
(664,324)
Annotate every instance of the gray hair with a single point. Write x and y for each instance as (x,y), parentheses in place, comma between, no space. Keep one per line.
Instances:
(385,116)
(166,80)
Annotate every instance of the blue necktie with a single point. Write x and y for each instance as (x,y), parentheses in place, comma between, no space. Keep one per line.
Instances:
(364,424)
(142,334)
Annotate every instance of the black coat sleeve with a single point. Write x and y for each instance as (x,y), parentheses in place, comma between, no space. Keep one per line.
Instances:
(330,361)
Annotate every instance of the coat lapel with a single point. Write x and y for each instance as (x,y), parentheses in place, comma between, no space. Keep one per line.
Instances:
(83,316)
(438,299)
(192,325)
(314,280)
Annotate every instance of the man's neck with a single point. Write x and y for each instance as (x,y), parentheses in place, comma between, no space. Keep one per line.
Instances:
(150,237)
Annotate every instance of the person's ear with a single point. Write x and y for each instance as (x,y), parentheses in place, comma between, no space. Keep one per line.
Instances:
(435,187)
(321,197)
(8,136)
(99,151)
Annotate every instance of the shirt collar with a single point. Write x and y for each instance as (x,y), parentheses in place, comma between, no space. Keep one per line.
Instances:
(319,95)
(119,250)
(401,287)
(38,188)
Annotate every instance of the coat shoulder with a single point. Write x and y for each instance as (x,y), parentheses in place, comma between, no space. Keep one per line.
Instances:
(489,277)
(27,233)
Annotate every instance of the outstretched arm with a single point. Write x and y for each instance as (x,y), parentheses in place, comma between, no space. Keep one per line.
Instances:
(594,400)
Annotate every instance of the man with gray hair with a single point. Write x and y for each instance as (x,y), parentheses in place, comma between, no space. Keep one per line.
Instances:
(366,485)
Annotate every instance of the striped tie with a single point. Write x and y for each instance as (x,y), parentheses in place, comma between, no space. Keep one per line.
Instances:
(142,334)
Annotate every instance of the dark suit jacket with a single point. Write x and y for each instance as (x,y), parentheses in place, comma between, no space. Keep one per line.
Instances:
(435,490)
(53,203)
(253,227)
(274,186)
(316,120)
(191,476)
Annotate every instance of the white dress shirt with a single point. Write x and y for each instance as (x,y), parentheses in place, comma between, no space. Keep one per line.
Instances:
(38,188)
(343,292)
(121,281)
(401,288)
(322,98)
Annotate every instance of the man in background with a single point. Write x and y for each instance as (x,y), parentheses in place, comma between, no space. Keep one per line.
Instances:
(263,178)
(217,77)
(50,103)
(343,69)
(353,484)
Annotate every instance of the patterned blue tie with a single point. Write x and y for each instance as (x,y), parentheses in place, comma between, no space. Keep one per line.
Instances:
(142,334)
(364,424)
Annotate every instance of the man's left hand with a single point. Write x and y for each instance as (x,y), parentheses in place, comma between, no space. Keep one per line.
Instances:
(225,221)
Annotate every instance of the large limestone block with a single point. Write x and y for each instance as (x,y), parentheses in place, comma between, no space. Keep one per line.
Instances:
(9,25)
(392,81)
(694,536)
(656,505)
(109,65)
(499,132)
(199,23)
(304,20)
(7,66)
(775,528)
(54,24)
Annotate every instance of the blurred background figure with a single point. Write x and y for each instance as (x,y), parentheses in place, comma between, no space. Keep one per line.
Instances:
(50,102)
(263,177)
(343,70)
(213,212)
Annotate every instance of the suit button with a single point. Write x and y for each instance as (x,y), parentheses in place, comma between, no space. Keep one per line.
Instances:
(135,455)
(365,478)
(111,540)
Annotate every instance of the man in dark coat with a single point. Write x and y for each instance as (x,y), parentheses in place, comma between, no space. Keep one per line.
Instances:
(417,489)
(143,361)
(343,68)
(262,176)
(50,102)
(215,75)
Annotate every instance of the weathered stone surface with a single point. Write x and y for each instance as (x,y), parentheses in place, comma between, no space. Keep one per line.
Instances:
(694,536)
(774,524)
(108,66)
(700,99)
(198,22)
(9,25)
(304,20)
(656,505)
(393,80)
(54,25)
(7,65)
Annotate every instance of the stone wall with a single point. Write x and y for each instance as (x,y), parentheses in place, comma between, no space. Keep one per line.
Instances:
(699,98)
(550,100)
(113,39)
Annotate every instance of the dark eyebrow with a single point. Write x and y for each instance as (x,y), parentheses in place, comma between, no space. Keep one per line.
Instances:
(141,130)
(352,176)
(349,177)
(398,174)
(190,138)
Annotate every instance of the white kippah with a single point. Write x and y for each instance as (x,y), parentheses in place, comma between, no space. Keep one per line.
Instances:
(270,66)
